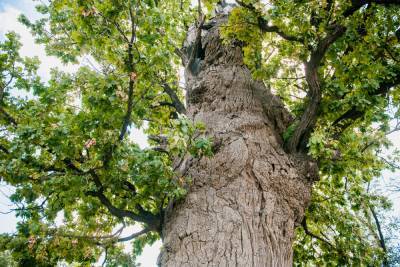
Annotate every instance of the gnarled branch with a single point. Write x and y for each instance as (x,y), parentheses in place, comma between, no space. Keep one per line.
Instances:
(299,139)
(142,216)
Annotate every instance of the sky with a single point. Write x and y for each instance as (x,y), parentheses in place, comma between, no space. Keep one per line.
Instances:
(9,12)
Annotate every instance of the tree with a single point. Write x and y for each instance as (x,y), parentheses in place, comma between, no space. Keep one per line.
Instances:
(287,110)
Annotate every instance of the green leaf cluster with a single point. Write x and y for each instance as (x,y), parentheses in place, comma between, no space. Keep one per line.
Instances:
(68,146)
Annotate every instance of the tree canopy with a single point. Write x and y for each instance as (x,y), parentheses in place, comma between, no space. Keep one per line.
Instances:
(68,151)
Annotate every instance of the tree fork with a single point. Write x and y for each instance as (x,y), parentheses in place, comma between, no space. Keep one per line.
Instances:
(245,202)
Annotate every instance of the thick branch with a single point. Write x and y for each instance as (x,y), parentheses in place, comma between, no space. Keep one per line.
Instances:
(300,137)
(307,122)
(132,77)
(181,55)
(128,114)
(177,104)
(263,24)
(143,216)
(112,237)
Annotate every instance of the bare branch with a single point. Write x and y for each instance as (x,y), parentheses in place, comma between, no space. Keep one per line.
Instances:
(289,78)
(390,164)
(100,240)
(23,208)
(134,235)
(381,238)
(105,257)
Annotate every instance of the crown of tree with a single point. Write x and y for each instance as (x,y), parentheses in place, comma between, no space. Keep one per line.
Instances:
(67,149)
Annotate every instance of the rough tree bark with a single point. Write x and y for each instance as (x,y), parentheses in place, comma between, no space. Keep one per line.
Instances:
(243,203)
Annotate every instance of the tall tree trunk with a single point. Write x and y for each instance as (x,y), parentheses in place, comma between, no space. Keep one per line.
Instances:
(244,203)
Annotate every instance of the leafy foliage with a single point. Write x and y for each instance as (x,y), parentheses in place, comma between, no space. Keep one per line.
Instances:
(79,174)
(6,259)
(76,160)
(358,77)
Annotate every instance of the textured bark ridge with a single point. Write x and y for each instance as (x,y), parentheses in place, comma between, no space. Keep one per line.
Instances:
(245,202)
